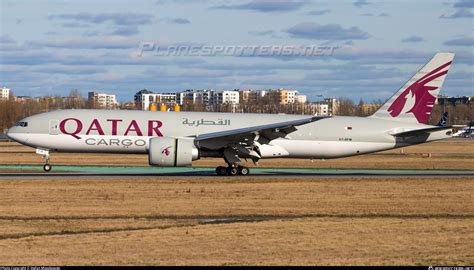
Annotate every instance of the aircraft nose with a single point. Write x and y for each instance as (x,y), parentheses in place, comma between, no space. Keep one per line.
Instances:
(12,133)
(9,133)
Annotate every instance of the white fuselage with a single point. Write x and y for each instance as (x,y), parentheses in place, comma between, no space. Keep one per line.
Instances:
(131,131)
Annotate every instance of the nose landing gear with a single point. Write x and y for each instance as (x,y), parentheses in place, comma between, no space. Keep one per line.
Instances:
(45,153)
(47,167)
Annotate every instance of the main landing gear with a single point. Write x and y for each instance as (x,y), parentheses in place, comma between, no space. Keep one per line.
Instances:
(45,153)
(232,170)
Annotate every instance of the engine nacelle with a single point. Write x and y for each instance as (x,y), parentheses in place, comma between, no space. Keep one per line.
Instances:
(172,152)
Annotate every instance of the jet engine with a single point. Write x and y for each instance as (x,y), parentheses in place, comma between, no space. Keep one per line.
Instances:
(172,152)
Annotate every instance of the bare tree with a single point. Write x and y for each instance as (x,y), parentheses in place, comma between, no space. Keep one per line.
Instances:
(346,107)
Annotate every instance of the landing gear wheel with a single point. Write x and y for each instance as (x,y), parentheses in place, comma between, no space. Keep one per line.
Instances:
(244,170)
(232,171)
(47,167)
(221,170)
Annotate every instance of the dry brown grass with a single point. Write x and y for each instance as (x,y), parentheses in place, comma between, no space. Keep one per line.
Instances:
(445,155)
(310,221)
(297,221)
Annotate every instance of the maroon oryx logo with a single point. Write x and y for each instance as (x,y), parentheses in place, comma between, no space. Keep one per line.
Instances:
(423,100)
(166,151)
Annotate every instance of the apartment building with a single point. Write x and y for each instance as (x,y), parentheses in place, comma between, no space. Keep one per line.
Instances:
(287,96)
(102,100)
(4,93)
(300,99)
(229,97)
(332,105)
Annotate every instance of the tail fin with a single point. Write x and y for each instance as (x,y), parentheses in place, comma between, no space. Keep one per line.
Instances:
(414,102)
(444,119)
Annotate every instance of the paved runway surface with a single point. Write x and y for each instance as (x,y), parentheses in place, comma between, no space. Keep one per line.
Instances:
(64,171)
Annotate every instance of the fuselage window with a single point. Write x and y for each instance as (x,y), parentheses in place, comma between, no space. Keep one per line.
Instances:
(21,124)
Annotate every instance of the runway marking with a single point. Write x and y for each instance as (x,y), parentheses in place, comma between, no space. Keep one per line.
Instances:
(60,170)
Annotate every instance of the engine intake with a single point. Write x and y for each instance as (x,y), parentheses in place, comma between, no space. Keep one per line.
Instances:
(172,152)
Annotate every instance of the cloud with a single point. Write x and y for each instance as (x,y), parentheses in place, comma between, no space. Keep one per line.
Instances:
(326,32)
(125,24)
(66,69)
(360,70)
(166,2)
(126,31)
(464,4)
(177,21)
(319,12)
(105,42)
(383,14)
(6,39)
(413,39)
(114,18)
(7,43)
(348,72)
(361,3)
(461,13)
(262,33)
(74,25)
(266,6)
(465,41)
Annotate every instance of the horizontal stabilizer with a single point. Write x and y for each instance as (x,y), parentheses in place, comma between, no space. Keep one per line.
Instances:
(417,132)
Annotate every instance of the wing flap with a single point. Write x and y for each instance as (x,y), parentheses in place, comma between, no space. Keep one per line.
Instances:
(268,132)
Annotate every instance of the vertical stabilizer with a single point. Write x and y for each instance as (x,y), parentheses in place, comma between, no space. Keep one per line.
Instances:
(414,102)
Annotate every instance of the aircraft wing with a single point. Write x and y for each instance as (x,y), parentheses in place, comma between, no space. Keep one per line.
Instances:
(263,133)
(420,131)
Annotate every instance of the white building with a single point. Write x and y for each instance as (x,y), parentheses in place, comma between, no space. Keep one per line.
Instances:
(205,96)
(102,100)
(333,104)
(261,93)
(301,99)
(168,98)
(146,100)
(287,95)
(138,98)
(230,97)
(322,109)
(4,93)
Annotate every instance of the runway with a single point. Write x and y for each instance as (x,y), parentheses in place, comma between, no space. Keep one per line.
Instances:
(106,171)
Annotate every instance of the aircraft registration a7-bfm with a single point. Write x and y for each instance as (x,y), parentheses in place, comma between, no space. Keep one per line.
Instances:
(175,139)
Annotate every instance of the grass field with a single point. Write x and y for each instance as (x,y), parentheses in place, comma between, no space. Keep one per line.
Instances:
(315,220)
(178,220)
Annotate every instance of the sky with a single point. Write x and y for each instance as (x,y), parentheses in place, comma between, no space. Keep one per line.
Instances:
(357,49)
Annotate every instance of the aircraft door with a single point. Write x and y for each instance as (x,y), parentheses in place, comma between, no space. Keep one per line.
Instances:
(53,127)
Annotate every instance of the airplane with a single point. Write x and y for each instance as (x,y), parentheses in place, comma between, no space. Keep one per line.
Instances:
(443,121)
(465,132)
(176,139)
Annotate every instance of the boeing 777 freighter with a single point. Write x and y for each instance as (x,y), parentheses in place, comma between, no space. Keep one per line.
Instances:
(176,139)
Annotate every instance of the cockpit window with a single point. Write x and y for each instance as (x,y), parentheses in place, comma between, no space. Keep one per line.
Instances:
(21,124)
